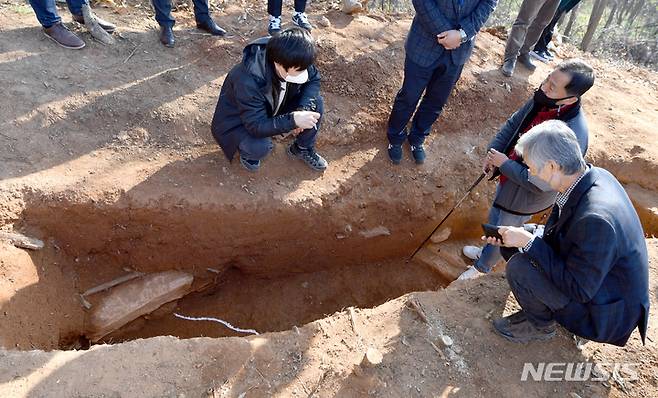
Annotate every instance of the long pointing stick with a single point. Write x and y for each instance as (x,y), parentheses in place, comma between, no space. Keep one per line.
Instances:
(475,184)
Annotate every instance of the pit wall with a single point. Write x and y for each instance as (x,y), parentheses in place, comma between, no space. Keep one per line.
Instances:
(257,239)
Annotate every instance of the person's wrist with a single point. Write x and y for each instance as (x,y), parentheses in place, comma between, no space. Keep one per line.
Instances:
(463,38)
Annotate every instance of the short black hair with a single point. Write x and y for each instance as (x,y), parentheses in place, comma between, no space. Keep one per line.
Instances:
(292,48)
(582,76)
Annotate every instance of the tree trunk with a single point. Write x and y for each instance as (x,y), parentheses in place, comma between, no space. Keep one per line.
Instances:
(572,19)
(611,16)
(608,22)
(635,12)
(594,19)
(623,8)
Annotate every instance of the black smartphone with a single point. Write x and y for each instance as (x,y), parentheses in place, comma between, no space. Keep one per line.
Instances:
(491,231)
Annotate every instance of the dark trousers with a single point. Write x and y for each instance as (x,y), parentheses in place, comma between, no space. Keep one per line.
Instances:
(46,10)
(164,17)
(274,7)
(536,294)
(437,83)
(255,148)
(533,17)
(547,34)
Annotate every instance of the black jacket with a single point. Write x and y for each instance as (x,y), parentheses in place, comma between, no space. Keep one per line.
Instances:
(248,98)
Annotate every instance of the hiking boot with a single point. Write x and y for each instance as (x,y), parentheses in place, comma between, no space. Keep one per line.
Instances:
(64,37)
(508,67)
(524,59)
(250,164)
(518,329)
(470,273)
(211,27)
(418,152)
(300,19)
(167,36)
(540,56)
(395,153)
(109,27)
(309,156)
(472,252)
(274,27)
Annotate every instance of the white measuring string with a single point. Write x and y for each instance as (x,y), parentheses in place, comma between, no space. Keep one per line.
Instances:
(228,325)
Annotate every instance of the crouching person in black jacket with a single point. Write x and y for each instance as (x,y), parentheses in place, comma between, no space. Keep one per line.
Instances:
(275,90)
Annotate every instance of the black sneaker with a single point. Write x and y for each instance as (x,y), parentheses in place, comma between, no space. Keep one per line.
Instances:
(300,19)
(540,56)
(250,164)
(524,59)
(309,156)
(395,153)
(518,329)
(418,152)
(274,27)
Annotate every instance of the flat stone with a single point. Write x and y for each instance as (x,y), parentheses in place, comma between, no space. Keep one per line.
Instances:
(129,301)
(375,232)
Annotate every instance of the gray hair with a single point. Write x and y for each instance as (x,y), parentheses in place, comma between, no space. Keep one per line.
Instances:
(552,140)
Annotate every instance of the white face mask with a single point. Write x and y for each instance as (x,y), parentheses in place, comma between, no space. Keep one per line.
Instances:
(299,79)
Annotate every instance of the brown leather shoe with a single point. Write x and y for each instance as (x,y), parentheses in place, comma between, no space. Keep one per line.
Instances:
(64,37)
(109,27)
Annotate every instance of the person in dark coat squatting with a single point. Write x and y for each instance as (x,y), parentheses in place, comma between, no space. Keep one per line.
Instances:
(589,271)
(275,90)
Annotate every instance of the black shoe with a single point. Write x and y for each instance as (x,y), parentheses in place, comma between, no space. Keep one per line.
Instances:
(167,36)
(309,156)
(300,19)
(418,152)
(274,27)
(518,329)
(106,26)
(249,164)
(211,27)
(524,59)
(395,153)
(508,67)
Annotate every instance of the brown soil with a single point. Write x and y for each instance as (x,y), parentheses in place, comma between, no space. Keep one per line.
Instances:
(108,158)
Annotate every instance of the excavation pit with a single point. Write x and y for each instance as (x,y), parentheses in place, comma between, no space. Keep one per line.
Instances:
(271,286)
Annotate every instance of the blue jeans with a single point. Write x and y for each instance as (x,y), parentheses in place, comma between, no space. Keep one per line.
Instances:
(437,83)
(46,10)
(539,298)
(164,17)
(491,254)
(254,148)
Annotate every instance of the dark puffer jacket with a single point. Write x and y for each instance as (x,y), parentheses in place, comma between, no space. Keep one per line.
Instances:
(248,98)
